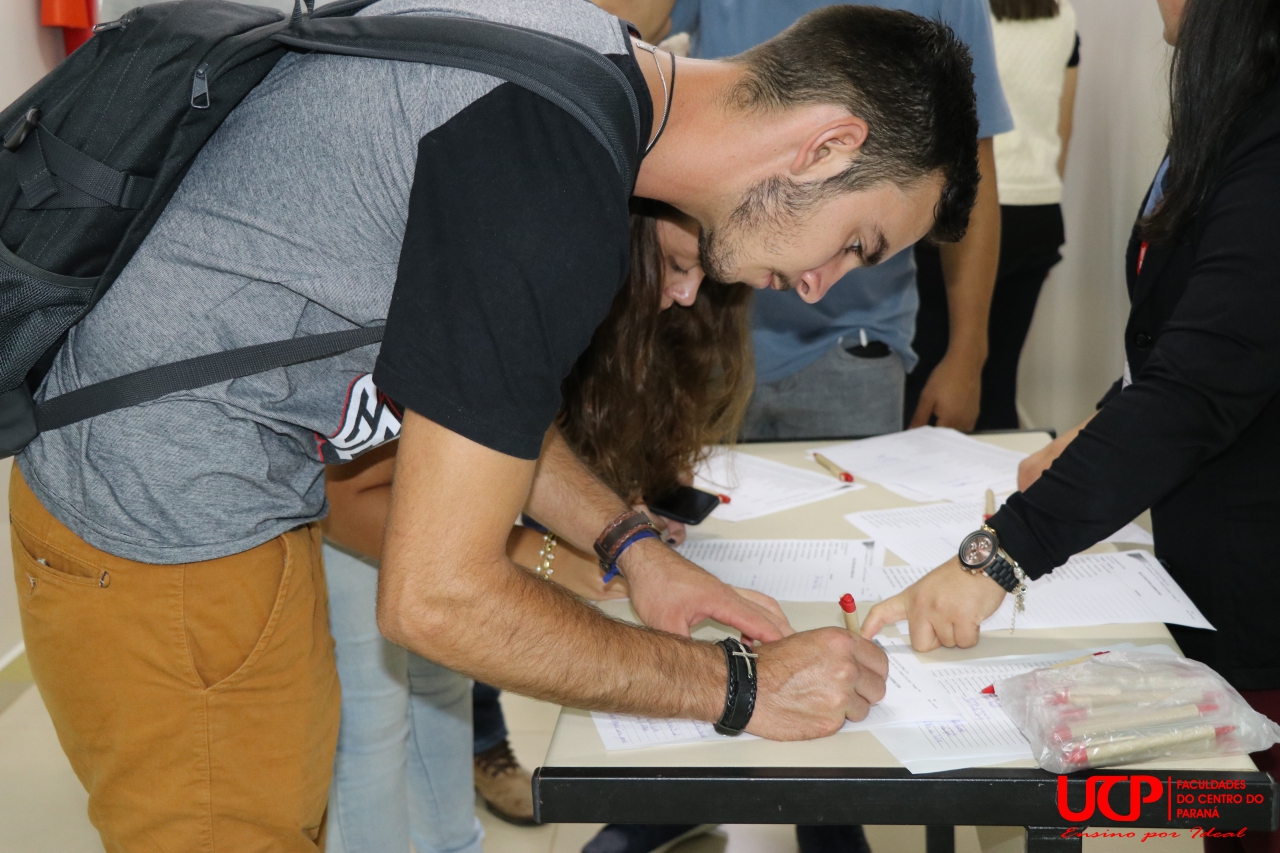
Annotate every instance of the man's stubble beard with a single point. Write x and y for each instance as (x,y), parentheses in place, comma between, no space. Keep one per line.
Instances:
(767,210)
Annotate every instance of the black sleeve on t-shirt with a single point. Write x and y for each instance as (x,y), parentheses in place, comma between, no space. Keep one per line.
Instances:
(516,243)
(1074,61)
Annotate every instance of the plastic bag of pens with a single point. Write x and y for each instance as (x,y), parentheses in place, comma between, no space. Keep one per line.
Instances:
(1128,706)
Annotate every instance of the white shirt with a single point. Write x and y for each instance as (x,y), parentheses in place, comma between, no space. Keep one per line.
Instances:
(1032,57)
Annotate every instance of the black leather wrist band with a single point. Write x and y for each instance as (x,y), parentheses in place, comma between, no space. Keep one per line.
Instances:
(740,700)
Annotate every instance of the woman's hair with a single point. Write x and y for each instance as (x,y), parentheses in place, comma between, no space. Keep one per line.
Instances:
(654,388)
(1227,55)
(1023,10)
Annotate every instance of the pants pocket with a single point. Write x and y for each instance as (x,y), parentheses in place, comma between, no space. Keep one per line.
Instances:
(43,563)
(230,606)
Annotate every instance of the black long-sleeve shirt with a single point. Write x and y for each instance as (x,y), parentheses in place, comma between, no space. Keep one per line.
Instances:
(1196,436)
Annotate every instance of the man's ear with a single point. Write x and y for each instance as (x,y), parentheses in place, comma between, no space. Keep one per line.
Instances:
(828,148)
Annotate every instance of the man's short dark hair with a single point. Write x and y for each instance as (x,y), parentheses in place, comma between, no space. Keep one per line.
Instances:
(908,77)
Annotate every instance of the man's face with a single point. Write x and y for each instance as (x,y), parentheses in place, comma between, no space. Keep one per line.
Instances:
(766,245)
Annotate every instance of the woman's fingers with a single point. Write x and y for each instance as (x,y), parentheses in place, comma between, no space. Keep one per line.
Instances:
(886,612)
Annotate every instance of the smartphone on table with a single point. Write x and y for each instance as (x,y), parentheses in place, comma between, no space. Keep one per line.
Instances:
(685,504)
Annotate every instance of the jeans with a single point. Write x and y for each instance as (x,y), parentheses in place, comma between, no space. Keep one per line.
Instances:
(841,395)
(403,770)
(486,714)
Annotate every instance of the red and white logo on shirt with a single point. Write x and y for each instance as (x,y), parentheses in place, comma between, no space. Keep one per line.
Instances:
(369,418)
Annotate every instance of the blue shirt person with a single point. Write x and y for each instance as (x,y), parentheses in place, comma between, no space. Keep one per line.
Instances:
(877,303)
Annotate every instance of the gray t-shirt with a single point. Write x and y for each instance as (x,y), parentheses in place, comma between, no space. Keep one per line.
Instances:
(293,221)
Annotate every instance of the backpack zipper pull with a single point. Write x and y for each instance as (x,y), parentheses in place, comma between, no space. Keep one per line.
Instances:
(200,87)
(118,24)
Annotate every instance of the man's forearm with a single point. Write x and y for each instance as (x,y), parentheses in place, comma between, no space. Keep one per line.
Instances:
(568,498)
(449,592)
(969,268)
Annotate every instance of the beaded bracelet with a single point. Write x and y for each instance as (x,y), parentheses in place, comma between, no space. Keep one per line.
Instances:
(546,555)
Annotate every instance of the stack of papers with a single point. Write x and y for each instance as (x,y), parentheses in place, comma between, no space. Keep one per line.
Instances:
(930,535)
(1091,589)
(912,695)
(757,487)
(790,569)
(930,464)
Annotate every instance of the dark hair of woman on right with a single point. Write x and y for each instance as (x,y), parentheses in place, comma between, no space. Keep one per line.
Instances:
(1192,429)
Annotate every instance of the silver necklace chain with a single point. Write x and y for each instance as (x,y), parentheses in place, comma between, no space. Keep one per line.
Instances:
(666,94)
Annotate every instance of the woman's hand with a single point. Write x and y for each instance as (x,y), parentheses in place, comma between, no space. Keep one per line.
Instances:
(945,607)
(1030,469)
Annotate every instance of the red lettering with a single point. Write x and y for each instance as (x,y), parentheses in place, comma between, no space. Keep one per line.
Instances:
(1064,808)
(1135,795)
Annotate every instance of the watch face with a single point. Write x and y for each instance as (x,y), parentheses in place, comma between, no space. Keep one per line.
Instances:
(976,550)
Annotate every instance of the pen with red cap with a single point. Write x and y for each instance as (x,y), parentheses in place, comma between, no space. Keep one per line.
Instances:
(850,608)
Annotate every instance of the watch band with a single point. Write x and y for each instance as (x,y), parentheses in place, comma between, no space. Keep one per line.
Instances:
(740,697)
(1001,571)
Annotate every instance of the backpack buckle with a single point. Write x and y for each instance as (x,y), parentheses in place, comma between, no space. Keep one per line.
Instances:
(18,135)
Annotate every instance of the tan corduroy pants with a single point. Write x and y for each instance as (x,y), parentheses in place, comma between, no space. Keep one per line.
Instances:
(198,703)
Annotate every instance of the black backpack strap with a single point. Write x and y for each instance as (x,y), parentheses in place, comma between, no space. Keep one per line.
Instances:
(579,80)
(155,382)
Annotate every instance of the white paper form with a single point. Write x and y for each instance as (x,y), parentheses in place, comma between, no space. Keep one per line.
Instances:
(930,535)
(759,487)
(790,569)
(911,695)
(930,464)
(1091,589)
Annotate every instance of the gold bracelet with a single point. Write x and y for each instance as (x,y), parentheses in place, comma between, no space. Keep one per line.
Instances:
(546,555)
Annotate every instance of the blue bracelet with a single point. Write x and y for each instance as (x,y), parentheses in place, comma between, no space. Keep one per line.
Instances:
(614,571)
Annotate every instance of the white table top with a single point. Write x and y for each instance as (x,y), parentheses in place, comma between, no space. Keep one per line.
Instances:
(576,742)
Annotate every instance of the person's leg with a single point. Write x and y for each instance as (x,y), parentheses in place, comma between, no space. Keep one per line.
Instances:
(197,703)
(442,802)
(504,786)
(933,329)
(841,395)
(1032,236)
(368,800)
(486,716)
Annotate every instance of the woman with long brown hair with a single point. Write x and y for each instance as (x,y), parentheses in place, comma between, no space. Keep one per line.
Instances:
(668,373)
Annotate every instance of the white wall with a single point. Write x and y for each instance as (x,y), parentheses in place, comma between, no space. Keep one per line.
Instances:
(27,51)
(1075,349)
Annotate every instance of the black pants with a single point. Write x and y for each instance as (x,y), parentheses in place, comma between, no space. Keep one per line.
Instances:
(1031,236)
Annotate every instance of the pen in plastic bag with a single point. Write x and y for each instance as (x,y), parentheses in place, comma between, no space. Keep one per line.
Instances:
(990,689)
(1134,720)
(1135,748)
